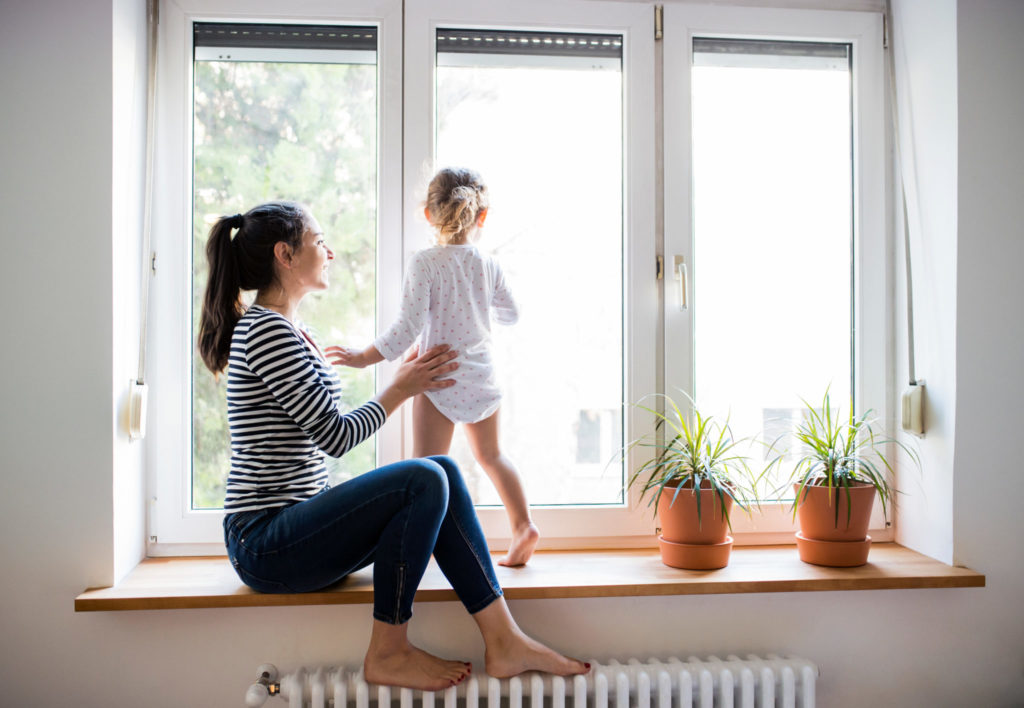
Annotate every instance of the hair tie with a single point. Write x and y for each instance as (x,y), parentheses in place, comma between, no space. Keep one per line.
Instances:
(236,221)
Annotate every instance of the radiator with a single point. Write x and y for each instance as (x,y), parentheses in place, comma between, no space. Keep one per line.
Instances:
(751,682)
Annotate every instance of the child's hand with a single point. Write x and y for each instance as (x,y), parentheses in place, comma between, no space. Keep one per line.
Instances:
(346,356)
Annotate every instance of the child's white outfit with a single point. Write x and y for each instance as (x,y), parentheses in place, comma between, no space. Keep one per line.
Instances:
(450,294)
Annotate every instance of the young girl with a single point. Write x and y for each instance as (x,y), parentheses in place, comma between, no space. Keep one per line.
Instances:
(451,291)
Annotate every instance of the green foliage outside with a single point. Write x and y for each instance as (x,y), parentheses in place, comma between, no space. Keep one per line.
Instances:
(302,132)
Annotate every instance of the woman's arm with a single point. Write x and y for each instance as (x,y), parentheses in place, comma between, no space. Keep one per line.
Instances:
(276,354)
(418,374)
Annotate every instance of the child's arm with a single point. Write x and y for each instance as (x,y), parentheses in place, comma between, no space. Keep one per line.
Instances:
(413,314)
(506,311)
(350,356)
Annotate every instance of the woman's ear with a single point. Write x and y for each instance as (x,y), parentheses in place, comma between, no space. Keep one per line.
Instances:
(426,214)
(283,254)
(481,217)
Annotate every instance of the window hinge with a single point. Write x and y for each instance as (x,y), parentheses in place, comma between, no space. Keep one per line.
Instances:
(885,31)
(659,16)
(152,262)
(659,268)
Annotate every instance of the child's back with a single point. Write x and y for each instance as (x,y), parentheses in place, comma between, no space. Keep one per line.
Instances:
(450,294)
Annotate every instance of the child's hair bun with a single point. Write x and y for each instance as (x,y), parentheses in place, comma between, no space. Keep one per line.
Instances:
(455,197)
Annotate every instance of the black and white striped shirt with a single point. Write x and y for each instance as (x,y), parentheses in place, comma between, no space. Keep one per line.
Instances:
(283,412)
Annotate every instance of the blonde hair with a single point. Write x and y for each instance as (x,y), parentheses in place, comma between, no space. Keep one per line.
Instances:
(455,197)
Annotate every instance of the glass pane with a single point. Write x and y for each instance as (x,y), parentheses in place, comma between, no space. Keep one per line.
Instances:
(772,271)
(303,132)
(546,135)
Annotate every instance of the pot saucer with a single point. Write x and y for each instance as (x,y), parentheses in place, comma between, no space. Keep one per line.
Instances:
(835,554)
(695,556)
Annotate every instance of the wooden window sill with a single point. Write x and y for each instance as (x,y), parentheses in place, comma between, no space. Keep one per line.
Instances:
(204,582)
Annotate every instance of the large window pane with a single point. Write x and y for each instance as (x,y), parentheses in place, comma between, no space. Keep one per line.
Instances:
(298,126)
(541,120)
(772,278)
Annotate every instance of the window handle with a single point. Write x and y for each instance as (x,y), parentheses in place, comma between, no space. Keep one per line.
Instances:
(680,271)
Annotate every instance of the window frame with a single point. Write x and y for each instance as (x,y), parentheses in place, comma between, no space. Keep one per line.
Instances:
(406,88)
(872,362)
(174,528)
(565,526)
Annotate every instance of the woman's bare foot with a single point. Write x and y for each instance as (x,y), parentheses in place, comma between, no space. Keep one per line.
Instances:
(518,653)
(414,668)
(524,540)
(392,661)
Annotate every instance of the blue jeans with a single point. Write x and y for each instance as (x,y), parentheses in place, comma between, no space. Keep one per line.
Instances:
(394,517)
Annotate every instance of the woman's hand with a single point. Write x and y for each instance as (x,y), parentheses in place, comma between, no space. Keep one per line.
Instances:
(419,373)
(356,358)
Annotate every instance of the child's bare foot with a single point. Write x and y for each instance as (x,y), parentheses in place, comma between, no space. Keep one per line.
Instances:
(524,541)
(414,668)
(519,653)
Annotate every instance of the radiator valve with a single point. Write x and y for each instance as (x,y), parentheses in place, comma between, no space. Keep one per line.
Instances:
(266,686)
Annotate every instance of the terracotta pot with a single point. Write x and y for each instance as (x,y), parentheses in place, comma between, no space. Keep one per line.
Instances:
(678,517)
(687,542)
(825,540)
(817,512)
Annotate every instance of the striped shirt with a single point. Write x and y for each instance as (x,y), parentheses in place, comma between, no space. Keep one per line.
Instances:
(283,412)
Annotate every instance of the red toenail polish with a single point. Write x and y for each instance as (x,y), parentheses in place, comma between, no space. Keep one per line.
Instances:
(587,664)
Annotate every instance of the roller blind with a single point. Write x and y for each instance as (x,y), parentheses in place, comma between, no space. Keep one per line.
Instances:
(221,41)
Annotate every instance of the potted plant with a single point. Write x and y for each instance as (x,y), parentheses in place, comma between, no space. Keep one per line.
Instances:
(839,473)
(695,477)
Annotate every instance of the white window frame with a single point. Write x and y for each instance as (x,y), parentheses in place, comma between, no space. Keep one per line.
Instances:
(872,290)
(609,526)
(405,145)
(175,529)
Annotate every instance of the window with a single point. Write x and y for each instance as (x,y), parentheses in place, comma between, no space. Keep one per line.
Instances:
(539,114)
(286,112)
(772,209)
(558,121)
(775,204)
(554,103)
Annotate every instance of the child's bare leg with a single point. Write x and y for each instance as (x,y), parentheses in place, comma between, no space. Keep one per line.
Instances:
(508,651)
(392,661)
(483,441)
(431,430)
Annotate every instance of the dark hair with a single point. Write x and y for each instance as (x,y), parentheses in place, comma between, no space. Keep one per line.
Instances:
(245,262)
(455,196)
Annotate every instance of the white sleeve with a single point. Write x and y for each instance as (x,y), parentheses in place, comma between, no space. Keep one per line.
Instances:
(503,304)
(413,315)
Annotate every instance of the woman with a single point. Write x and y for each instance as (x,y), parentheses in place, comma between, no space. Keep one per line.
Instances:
(285,529)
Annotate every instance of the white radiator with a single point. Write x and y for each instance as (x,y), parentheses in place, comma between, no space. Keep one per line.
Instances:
(751,682)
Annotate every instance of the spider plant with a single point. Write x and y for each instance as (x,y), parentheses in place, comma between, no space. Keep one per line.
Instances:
(696,451)
(842,452)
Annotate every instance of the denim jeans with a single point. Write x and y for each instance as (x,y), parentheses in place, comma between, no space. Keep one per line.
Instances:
(394,517)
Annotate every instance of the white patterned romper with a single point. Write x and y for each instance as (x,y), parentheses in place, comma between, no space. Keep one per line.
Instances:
(450,294)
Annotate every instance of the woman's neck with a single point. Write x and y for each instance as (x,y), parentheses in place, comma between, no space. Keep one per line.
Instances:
(279,301)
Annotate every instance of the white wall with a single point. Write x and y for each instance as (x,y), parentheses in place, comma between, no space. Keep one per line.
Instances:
(130,80)
(899,648)
(987,521)
(924,44)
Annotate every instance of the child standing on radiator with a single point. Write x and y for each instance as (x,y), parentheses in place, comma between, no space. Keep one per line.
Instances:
(450,294)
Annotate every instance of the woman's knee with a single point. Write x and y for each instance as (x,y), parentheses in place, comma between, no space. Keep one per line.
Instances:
(452,472)
(428,476)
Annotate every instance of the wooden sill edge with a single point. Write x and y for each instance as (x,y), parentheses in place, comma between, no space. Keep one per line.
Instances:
(210,582)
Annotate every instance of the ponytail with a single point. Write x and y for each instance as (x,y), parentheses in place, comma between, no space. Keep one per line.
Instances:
(245,262)
(222,303)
